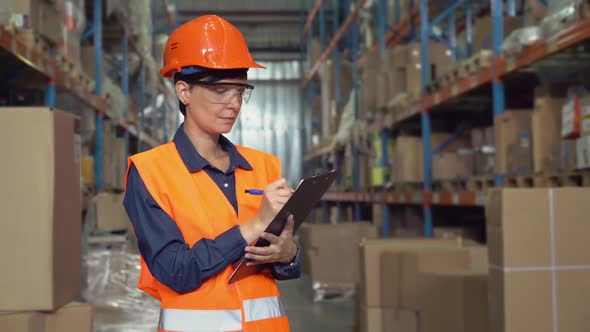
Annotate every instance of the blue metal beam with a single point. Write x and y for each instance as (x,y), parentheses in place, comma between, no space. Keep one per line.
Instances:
(442,16)
(356,83)
(497,86)
(336,53)
(425,117)
(98,152)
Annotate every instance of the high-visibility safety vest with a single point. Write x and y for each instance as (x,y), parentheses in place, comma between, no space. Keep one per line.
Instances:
(201,210)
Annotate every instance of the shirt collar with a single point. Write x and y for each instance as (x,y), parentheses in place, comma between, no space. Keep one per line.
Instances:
(194,162)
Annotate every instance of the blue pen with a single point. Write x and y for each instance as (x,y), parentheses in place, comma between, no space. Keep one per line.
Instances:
(254,191)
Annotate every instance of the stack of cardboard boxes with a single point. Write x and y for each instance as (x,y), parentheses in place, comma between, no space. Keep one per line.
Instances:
(540,270)
(575,128)
(40,241)
(483,144)
(454,160)
(328,246)
(398,72)
(396,272)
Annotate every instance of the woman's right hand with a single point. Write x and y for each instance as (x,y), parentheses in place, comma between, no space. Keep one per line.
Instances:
(275,196)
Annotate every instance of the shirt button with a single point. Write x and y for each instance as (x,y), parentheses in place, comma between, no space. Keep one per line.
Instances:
(225,185)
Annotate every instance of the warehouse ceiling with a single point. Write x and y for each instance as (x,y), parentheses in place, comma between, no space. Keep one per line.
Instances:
(272,28)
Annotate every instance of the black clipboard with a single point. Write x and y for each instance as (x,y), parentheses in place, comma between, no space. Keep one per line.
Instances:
(307,194)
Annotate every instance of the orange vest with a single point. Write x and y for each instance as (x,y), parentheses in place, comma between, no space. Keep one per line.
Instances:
(201,210)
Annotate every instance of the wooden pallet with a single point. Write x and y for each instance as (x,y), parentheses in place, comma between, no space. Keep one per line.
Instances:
(567,179)
(453,185)
(402,187)
(481,60)
(480,183)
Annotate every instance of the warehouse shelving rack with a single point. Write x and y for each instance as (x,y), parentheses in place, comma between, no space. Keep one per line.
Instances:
(47,63)
(502,65)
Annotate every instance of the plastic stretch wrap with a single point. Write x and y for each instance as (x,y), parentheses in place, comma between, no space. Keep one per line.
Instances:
(562,13)
(332,291)
(111,287)
(521,38)
(346,121)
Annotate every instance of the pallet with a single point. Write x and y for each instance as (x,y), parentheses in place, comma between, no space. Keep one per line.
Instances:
(481,60)
(453,185)
(567,179)
(480,183)
(402,187)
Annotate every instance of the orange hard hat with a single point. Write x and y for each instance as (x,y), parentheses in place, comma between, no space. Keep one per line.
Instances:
(207,41)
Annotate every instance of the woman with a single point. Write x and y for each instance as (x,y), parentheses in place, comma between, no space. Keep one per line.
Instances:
(187,199)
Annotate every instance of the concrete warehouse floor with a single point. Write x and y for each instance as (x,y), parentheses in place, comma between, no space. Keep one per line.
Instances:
(307,316)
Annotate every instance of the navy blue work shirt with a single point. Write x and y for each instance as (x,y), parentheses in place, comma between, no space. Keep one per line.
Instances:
(170,259)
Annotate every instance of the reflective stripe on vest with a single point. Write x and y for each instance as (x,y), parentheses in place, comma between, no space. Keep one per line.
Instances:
(200,320)
(263,308)
(220,320)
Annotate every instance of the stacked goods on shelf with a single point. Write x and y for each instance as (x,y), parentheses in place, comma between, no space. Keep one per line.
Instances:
(534,12)
(484,146)
(538,257)
(454,161)
(380,169)
(42,203)
(513,142)
(60,23)
(330,111)
(563,13)
(551,154)
(397,74)
(330,255)
(575,125)
(390,288)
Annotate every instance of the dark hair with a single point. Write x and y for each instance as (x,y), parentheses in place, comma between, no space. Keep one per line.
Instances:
(210,75)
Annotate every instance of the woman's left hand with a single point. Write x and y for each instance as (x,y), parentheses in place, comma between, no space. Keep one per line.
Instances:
(282,248)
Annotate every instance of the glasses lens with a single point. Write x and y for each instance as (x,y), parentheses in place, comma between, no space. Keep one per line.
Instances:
(225,93)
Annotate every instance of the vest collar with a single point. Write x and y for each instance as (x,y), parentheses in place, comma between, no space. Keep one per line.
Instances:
(194,162)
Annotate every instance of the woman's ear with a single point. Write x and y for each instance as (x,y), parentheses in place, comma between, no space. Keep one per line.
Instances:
(183,91)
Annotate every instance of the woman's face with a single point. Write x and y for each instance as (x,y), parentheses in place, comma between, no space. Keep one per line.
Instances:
(215,109)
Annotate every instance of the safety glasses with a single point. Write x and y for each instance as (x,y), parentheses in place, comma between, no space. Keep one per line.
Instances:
(224,92)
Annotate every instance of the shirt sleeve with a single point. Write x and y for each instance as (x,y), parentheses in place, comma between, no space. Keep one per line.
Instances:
(170,259)
(288,271)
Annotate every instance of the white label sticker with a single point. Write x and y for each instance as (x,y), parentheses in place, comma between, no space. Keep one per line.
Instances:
(435,198)
(455,198)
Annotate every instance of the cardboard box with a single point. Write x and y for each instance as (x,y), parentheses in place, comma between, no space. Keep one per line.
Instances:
(22,322)
(546,139)
(120,163)
(568,155)
(331,251)
(371,251)
(383,319)
(41,204)
(407,160)
(459,143)
(513,142)
(450,166)
(482,31)
(524,301)
(88,170)
(110,213)
(512,213)
(43,17)
(400,271)
(585,115)
(74,317)
(450,232)
(571,119)
(453,301)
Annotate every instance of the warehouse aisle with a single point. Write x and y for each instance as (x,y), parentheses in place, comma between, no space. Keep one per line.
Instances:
(307,316)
